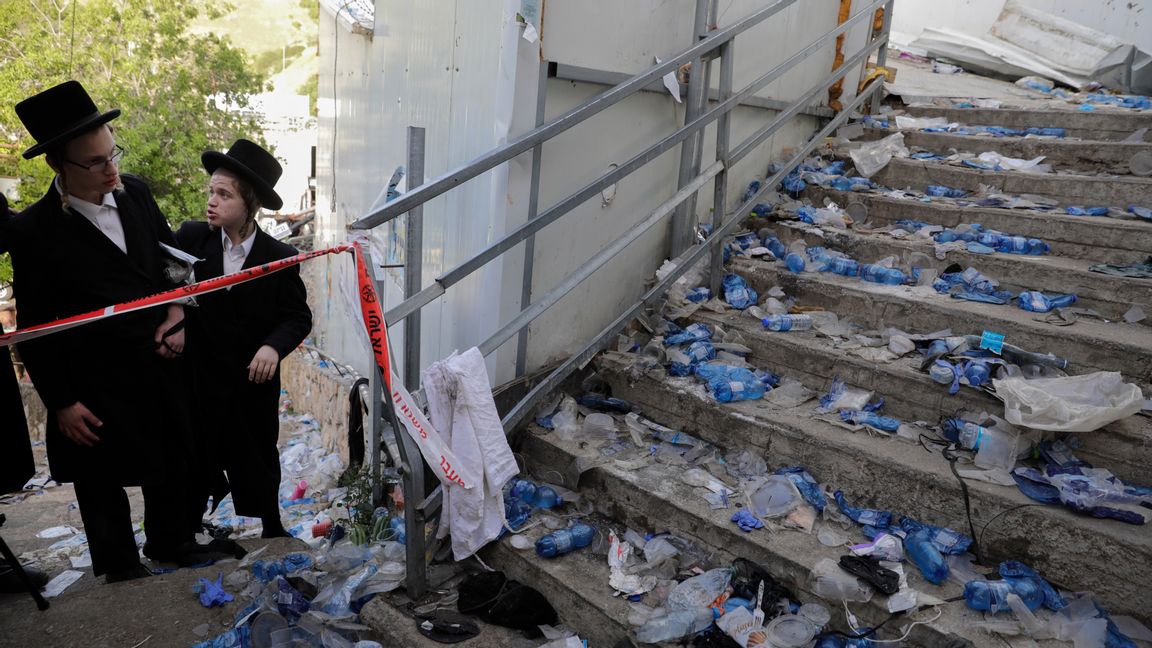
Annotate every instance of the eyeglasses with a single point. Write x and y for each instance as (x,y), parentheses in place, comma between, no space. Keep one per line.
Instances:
(101,165)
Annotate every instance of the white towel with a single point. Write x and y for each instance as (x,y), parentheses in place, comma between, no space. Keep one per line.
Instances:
(460,406)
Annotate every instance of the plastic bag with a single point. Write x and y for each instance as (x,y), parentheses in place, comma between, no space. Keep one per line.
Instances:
(870,158)
(1069,404)
(831,583)
(699,591)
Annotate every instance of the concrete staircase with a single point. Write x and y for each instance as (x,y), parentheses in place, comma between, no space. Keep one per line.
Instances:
(1078,553)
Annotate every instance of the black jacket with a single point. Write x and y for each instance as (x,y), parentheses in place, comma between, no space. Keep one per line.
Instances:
(65,266)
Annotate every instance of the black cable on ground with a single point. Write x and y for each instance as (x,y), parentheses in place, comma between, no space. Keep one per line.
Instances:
(860,635)
(951,454)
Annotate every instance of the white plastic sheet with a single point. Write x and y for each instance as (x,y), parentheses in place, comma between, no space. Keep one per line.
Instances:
(871,157)
(1069,404)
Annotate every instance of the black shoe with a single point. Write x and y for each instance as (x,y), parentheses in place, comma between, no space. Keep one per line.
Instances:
(132,573)
(869,570)
(11,583)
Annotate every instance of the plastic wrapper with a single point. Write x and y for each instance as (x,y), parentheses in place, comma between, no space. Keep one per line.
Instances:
(1082,403)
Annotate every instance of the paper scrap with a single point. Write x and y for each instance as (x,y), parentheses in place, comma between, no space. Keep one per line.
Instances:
(63,580)
(81,561)
(671,83)
(56,532)
(530,33)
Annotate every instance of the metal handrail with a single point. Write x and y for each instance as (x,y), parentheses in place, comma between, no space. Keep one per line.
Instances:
(718,45)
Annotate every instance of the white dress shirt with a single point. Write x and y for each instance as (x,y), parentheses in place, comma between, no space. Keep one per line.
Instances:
(234,255)
(105,216)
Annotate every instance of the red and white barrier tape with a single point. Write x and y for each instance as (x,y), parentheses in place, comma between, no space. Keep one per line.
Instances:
(432,447)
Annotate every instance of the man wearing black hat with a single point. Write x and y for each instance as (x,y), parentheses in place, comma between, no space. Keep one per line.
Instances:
(116,417)
(239,336)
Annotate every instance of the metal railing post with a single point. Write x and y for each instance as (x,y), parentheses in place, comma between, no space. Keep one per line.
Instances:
(413,258)
(680,237)
(720,184)
(882,54)
(533,207)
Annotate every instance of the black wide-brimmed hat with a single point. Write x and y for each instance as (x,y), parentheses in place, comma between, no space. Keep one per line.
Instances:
(59,114)
(253,164)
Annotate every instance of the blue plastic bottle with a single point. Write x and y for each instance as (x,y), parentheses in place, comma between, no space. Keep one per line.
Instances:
(927,557)
(992,596)
(546,498)
(881,275)
(977,373)
(1036,247)
(740,385)
(870,517)
(563,541)
(782,323)
(775,247)
(842,266)
(794,261)
(701,351)
(860,417)
(1037,302)
(1013,245)
(520,489)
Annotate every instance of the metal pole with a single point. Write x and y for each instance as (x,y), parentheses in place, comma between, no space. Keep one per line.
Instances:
(413,258)
(680,237)
(533,206)
(720,185)
(698,137)
(882,54)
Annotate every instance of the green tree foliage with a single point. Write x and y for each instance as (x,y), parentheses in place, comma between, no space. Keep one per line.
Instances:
(180,93)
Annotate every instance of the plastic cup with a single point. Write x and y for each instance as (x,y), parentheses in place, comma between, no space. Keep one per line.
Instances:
(790,631)
(599,425)
(816,614)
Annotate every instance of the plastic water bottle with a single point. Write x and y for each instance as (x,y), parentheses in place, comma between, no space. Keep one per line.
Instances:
(725,390)
(1037,302)
(881,275)
(1013,245)
(701,351)
(782,323)
(941,371)
(977,373)
(794,261)
(918,546)
(992,596)
(563,541)
(872,419)
(775,246)
(842,266)
(546,497)
(971,435)
(520,489)
(1036,247)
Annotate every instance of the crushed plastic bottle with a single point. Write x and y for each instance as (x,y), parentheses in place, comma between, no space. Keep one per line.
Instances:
(784,323)
(737,292)
(874,273)
(843,266)
(947,541)
(871,419)
(1037,302)
(992,596)
(870,517)
(795,262)
(920,549)
(940,191)
(694,333)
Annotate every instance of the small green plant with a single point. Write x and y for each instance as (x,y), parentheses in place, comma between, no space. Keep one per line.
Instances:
(358,500)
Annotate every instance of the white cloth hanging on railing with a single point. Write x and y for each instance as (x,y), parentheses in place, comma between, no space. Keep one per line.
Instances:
(460,406)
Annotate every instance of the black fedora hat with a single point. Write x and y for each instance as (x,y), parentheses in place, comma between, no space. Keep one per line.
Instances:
(252,163)
(59,114)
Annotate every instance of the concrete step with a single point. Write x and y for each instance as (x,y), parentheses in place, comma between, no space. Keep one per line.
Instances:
(1087,345)
(1063,154)
(1113,125)
(1109,295)
(1124,447)
(1101,240)
(1068,189)
(1110,558)
(576,585)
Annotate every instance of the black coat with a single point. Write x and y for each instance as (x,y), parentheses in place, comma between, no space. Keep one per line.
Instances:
(16,464)
(240,419)
(65,266)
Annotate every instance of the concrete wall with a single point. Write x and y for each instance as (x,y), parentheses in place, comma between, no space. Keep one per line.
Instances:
(1124,19)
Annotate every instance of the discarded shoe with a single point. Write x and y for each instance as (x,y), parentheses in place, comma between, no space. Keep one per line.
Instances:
(869,570)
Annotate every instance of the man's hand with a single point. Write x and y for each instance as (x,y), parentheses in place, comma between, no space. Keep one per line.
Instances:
(74,421)
(263,364)
(173,345)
